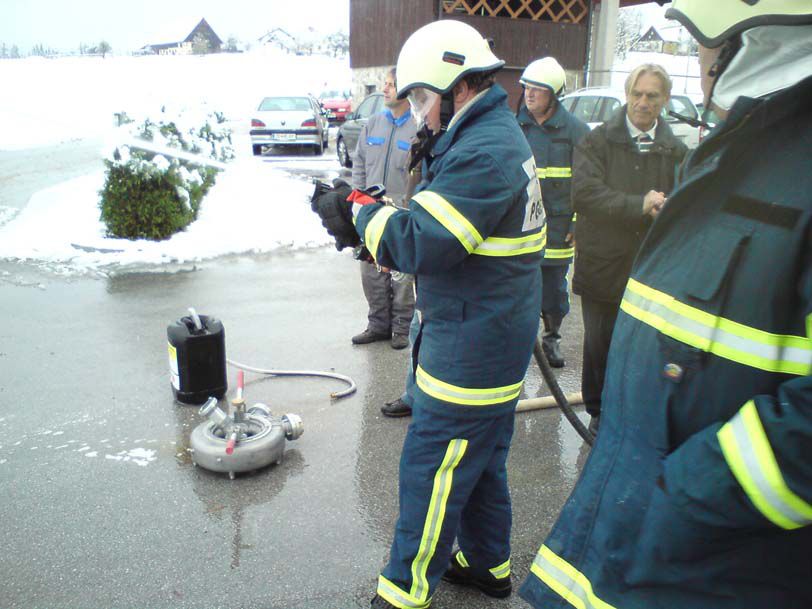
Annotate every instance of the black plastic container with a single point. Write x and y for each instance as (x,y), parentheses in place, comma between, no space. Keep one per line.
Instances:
(197,359)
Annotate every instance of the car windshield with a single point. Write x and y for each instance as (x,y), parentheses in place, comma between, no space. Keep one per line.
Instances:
(284,104)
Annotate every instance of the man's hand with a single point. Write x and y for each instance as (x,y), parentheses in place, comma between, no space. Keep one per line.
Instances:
(653,202)
(336,216)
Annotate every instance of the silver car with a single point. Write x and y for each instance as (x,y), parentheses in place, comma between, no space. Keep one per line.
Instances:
(594,105)
(289,121)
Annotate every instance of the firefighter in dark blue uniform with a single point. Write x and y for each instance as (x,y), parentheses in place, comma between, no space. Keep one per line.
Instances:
(473,236)
(698,492)
(552,133)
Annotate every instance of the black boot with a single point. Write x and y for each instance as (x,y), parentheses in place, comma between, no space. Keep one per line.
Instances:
(489,585)
(551,341)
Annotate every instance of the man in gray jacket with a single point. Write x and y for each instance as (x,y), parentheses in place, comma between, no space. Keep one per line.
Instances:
(381,158)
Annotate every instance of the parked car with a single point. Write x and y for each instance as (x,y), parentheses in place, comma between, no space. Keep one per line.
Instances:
(289,121)
(347,138)
(337,104)
(594,105)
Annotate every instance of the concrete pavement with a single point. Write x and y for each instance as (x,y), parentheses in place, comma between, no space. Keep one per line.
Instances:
(102,507)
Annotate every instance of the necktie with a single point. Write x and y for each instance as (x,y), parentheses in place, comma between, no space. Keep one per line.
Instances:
(644,142)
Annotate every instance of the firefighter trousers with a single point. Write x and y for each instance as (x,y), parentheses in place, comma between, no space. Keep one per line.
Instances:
(453,484)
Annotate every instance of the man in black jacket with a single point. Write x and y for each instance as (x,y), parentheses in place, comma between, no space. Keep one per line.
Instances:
(622,172)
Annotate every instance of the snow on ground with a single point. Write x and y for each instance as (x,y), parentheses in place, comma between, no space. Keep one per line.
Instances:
(46,101)
(253,207)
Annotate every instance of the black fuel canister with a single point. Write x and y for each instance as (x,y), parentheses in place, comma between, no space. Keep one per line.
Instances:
(197,359)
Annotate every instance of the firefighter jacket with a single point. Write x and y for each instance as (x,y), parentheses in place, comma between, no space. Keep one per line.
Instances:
(474,235)
(381,156)
(698,492)
(611,178)
(552,144)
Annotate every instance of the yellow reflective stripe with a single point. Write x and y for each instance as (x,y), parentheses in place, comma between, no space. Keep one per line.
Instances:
(502,571)
(723,337)
(462,560)
(569,583)
(447,215)
(375,228)
(443,481)
(463,395)
(558,254)
(513,246)
(397,597)
(553,172)
(750,457)
(574,217)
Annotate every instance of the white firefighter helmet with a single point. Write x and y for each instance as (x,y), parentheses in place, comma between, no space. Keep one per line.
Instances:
(439,54)
(546,73)
(712,23)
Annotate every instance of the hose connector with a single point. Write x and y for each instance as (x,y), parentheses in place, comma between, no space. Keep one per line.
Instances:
(215,414)
(293,426)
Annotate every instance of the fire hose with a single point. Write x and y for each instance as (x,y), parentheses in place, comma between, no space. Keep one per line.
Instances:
(560,399)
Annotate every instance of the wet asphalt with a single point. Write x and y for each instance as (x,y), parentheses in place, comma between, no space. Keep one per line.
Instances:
(103,507)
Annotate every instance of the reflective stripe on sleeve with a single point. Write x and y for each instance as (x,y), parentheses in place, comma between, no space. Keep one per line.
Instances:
(453,221)
(375,228)
(397,597)
(723,337)
(559,254)
(463,395)
(443,481)
(553,172)
(565,580)
(750,457)
(513,246)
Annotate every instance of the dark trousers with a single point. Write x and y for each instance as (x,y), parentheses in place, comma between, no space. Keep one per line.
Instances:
(599,322)
(555,295)
(453,484)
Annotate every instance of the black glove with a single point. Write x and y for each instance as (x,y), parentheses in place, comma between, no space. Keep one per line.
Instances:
(336,216)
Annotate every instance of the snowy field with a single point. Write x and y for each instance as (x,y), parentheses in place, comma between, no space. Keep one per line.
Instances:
(256,205)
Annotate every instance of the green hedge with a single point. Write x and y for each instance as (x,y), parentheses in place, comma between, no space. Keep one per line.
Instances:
(140,201)
(147,196)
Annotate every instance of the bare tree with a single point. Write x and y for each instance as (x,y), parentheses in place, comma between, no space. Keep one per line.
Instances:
(103,48)
(629,28)
(200,45)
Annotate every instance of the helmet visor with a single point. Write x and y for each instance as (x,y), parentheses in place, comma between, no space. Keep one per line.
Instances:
(421,101)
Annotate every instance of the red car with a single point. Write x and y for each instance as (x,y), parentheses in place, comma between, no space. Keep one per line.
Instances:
(337,104)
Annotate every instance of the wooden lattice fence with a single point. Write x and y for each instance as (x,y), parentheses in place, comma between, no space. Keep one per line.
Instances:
(559,11)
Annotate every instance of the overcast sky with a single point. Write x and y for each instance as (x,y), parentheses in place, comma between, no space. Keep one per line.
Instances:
(130,24)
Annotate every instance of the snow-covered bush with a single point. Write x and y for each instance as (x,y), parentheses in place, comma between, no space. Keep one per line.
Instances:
(152,192)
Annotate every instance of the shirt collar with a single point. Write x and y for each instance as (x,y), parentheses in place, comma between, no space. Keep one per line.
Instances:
(400,121)
(634,132)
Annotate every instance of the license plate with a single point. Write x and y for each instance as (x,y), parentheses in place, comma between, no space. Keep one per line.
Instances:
(283,136)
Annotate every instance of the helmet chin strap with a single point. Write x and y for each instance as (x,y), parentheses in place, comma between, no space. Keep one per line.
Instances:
(446,109)
(726,55)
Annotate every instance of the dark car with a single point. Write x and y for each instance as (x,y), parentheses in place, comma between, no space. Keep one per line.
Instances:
(347,138)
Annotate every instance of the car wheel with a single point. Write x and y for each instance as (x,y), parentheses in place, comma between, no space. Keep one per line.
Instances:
(343,156)
(257,149)
(318,149)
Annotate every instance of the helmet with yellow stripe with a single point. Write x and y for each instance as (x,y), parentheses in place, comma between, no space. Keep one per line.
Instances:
(713,23)
(438,55)
(544,73)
